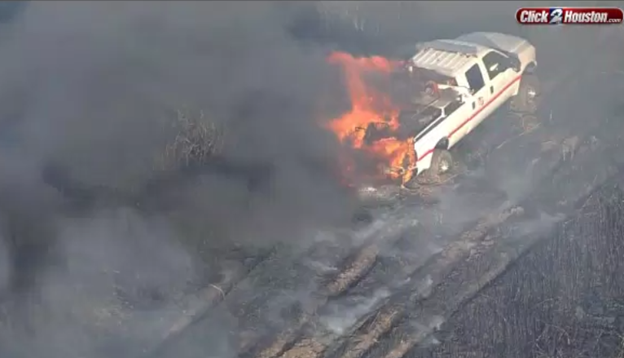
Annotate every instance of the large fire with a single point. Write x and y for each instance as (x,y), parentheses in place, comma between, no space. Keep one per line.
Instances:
(369,106)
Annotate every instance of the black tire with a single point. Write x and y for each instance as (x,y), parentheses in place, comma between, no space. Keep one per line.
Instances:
(441,163)
(528,97)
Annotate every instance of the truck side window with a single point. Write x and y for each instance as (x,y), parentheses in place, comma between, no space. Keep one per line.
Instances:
(495,63)
(475,78)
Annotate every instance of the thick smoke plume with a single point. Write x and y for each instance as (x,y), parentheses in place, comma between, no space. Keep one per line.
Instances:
(88,96)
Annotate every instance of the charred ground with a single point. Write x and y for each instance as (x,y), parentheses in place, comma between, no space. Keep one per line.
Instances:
(543,307)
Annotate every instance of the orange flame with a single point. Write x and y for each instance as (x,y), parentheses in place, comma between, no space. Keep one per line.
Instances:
(369,106)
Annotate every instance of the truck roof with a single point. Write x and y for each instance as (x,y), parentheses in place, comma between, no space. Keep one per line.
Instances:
(454,57)
(494,40)
(448,57)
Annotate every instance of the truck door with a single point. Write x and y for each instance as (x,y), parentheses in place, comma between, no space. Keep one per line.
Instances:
(501,79)
(479,85)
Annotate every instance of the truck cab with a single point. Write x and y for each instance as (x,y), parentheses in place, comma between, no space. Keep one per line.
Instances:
(483,71)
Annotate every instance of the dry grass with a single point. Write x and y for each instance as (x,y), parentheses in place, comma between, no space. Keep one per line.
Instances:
(283,339)
(362,262)
(308,348)
(489,222)
(198,138)
(383,322)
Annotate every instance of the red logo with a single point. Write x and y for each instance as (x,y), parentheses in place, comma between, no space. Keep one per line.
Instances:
(569,15)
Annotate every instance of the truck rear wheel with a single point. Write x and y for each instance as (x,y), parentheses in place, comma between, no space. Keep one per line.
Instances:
(527,99)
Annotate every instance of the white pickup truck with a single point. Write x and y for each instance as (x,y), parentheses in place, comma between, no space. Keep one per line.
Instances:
(467,80)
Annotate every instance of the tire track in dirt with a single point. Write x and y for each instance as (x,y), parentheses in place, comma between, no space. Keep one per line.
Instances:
(354,268)
(361,263)
(286,273)
(364,261)
(375,325)
(432,274)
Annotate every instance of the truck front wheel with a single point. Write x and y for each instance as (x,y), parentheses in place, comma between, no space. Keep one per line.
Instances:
(441,164)
(527,99)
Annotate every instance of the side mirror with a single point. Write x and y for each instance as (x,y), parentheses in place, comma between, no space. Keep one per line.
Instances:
(515,64)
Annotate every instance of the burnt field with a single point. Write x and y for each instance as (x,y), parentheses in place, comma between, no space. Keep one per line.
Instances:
(561,299)
(255,254)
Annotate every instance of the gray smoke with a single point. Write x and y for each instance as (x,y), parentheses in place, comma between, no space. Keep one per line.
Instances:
(93,88)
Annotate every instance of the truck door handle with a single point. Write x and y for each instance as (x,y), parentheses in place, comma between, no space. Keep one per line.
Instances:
(492,89)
